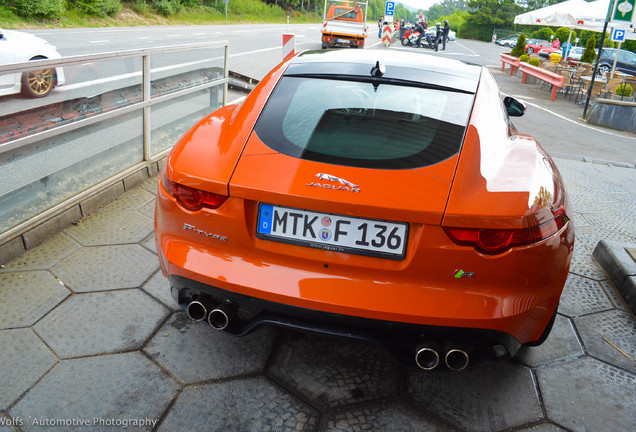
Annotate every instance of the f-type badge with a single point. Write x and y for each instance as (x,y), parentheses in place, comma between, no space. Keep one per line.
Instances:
(344,185)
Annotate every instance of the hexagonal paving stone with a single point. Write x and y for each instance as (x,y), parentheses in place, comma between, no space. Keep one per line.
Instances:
(562,343)
(101,268)
(151,184)
(599,331)
(98,323)
(132,200)
(252,404)
(544,427)
(333,372)
(99,391)
(495,397)
(6,423)
(615,296)
(589,237)
(111,227)
(622,224)
(195,352)
(159,287)
(25,297)
(45,255)
(588,395)
(582,296)
(384,418)
(583,264)
(16,346)
(149,209)
(149,243)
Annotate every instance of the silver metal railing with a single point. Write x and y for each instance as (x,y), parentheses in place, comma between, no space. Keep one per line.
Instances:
(117,114)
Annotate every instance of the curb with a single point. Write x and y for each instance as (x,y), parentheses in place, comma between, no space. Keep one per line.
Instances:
(620,267)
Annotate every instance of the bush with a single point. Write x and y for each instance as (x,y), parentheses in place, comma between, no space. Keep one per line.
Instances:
(524,58)
(167,7)
(37,8)
(590,52)
(543,33)
(534,62)
(563,33)
(520,48)
(628,90)
(99,7)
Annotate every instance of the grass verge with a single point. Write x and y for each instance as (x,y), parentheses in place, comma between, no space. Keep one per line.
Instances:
(135,17)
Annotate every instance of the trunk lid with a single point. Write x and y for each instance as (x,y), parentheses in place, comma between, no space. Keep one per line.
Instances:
(407,195)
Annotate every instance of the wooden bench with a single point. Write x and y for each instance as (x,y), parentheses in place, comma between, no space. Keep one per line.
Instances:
(512,61)
(544,75)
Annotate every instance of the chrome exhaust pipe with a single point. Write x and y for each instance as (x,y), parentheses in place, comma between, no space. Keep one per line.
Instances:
(219,318)
(456,359)
(196,311)
(426,357)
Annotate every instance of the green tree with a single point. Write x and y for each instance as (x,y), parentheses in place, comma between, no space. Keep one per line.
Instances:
(538,4)
(520,48)
(590,52)
(486,15)
(440,11)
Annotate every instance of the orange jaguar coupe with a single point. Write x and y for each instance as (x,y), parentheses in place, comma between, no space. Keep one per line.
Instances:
(372,194)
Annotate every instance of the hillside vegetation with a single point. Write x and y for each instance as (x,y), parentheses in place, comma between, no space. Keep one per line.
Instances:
(23,14)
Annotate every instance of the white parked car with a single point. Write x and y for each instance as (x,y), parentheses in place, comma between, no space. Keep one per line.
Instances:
(17,47)
(432,30)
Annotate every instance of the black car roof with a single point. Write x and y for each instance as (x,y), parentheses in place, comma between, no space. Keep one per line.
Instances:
(400,65)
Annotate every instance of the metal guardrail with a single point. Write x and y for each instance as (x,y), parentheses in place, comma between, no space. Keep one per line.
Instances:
(16,193)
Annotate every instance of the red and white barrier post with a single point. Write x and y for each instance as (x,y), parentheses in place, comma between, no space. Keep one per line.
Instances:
(289,45)
(387,32)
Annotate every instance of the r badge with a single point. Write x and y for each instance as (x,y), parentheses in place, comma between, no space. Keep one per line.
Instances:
(458,274)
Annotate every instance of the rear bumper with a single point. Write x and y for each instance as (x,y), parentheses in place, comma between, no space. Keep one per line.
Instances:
(403,340)
(400,304)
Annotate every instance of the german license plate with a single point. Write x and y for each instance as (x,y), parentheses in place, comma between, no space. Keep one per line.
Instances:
(332,232)
(346,41)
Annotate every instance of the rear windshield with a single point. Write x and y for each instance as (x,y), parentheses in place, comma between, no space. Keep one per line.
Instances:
(364,124)
(340,13)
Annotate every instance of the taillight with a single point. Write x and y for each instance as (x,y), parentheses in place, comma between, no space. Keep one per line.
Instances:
(190,198)
(495,241)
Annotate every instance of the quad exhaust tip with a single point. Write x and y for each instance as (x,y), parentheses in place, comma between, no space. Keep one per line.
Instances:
(426,357)
(219,318)
(196,311)
(457,359)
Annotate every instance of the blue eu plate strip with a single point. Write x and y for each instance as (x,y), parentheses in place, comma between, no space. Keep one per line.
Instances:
(265,219)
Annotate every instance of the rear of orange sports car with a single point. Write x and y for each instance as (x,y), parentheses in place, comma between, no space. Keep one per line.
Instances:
(377,195)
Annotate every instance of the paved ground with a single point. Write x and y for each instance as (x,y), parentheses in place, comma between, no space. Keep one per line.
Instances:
(90,339)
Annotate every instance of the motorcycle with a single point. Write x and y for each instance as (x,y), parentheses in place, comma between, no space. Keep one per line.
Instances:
(411,36)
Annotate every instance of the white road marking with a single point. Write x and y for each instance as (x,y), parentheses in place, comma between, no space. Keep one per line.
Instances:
(578,123)
(100,41)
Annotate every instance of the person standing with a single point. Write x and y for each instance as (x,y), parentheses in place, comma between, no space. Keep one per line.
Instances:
(380,22)
(439,35)
(445,34)
(565,50)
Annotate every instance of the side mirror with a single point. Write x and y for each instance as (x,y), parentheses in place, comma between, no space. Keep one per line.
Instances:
(514,107)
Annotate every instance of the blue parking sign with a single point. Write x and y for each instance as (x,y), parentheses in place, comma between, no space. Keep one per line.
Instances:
(390,8)
(618,35)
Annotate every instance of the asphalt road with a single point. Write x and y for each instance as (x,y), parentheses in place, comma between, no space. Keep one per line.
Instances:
(256,48)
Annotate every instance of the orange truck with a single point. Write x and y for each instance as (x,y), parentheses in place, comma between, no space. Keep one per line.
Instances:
(345,24)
